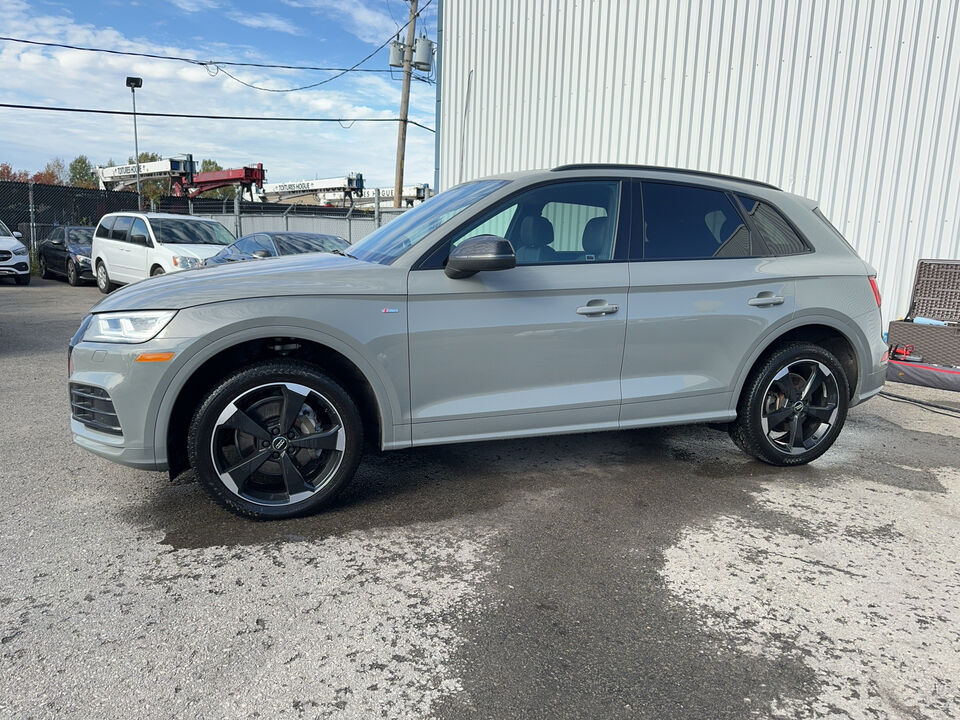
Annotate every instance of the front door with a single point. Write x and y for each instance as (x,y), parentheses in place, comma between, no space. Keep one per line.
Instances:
(532,350)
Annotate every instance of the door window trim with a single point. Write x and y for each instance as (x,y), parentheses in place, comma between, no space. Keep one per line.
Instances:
(434,258)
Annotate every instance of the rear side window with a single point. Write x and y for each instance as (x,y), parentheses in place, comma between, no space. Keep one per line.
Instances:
(780,238)
(682,222)
(103,231)
(121,228)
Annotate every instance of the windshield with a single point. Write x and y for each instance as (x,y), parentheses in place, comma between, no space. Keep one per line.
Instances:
(4,230)
(305,243)
(385,245)
(191,232)
(80,236)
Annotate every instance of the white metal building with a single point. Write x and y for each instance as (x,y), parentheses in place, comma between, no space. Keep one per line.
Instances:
(855,103)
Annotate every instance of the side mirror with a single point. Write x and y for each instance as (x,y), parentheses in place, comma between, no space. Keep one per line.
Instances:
(478,254)
(18,235)
(261,254)
(139,239)
(58,242)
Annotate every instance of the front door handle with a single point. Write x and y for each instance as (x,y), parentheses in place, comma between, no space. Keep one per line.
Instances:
(765,299)
(600,309)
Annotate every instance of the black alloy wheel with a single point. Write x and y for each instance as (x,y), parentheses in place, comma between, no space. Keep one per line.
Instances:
(276,440)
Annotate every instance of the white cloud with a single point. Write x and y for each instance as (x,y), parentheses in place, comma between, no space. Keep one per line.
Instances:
(192,6)
(365,22)
(265,21)
(289,151)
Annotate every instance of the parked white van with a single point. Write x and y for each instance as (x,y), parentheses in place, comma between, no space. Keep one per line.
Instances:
(131,246)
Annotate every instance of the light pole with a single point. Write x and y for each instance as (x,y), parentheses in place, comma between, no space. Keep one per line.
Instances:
(133,83)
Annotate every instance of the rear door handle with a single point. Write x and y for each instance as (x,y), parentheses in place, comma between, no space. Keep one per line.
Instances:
(604,309)
(765,299)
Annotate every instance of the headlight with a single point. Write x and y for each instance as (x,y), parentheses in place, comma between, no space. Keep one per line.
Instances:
(19,250)
(181,261)
(83,259)
(127,327)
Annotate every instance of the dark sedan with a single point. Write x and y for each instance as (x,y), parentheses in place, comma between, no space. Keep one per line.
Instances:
(272,244)
(66,251)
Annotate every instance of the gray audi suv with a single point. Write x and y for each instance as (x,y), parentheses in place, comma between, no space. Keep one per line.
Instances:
(582,298)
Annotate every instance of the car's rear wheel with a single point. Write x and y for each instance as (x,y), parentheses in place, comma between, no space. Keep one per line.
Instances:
(793,406)
(73,275)
(44,270)
(275,440)
(103,279)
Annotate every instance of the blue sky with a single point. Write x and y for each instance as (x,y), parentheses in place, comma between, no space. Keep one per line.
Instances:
(296,32)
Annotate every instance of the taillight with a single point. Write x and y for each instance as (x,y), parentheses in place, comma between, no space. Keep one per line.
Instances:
(876,290)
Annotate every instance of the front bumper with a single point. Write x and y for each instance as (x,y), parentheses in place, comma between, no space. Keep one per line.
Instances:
(13,268)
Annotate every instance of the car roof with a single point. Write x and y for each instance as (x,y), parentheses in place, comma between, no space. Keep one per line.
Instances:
(157,216)
(648,172)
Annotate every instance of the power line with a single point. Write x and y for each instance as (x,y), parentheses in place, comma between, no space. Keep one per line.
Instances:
(254,118)
(340,72)
(193,61)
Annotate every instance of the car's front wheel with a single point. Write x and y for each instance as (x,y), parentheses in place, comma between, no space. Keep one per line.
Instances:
(275,440)
(73,275)
(793,406)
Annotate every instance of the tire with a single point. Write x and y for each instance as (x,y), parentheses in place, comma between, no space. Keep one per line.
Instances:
(250,464)
(44,270)
(22,279)
(103,279)
(793,406)
(157,270)
(73,275)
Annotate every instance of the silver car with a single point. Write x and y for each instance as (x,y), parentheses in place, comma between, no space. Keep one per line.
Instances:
(583,298)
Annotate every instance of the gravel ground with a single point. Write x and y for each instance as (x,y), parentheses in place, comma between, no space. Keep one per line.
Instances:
(649,574)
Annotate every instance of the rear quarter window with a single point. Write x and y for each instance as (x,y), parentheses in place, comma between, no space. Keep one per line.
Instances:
(777,233)
(103,229)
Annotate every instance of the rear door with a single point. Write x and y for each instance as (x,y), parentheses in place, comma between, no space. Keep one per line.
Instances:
(120,259)
(703,291)
(530,350)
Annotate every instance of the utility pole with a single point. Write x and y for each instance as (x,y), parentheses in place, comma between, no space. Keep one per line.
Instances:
(404,104)
(133,83)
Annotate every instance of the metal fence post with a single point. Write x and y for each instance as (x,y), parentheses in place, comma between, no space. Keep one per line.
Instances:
(190,206)
(33,219)
(376,207)
(236,212)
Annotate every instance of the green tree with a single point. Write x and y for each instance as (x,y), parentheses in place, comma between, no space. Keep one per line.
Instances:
(81,172)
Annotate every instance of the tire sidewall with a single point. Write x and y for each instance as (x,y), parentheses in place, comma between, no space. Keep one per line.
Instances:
(205,420)
(755,436)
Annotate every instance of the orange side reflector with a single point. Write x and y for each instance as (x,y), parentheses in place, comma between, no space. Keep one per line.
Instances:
(154,357)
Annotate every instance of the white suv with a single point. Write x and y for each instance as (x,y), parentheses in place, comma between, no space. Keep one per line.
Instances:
(131,246)
(14,257)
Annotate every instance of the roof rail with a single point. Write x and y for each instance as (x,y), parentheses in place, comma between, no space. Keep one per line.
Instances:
(627,166)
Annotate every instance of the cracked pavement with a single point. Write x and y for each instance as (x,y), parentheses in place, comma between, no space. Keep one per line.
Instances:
(642,574)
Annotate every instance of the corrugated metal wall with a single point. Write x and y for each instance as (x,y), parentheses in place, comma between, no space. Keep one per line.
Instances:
(855,103)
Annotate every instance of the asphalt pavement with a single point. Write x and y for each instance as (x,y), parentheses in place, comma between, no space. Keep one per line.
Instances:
(642,574)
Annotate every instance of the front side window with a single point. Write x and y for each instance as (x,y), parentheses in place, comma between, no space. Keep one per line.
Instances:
(54,236)
(568,222)
(773,227)
(389,242)
(295,244)
(683,222)
(139,228)
(190,232)
(121,228)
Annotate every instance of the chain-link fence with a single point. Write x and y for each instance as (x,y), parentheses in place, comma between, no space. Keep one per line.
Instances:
(34,210)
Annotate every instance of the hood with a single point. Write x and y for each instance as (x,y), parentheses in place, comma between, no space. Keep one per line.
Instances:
(8,242)
(79,249)
(319,274)
(201,252)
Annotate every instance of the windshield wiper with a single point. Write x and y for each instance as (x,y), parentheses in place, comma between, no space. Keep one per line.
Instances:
(344,254)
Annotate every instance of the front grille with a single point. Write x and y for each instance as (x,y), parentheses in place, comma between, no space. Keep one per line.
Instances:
(93,407)
(5,255)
